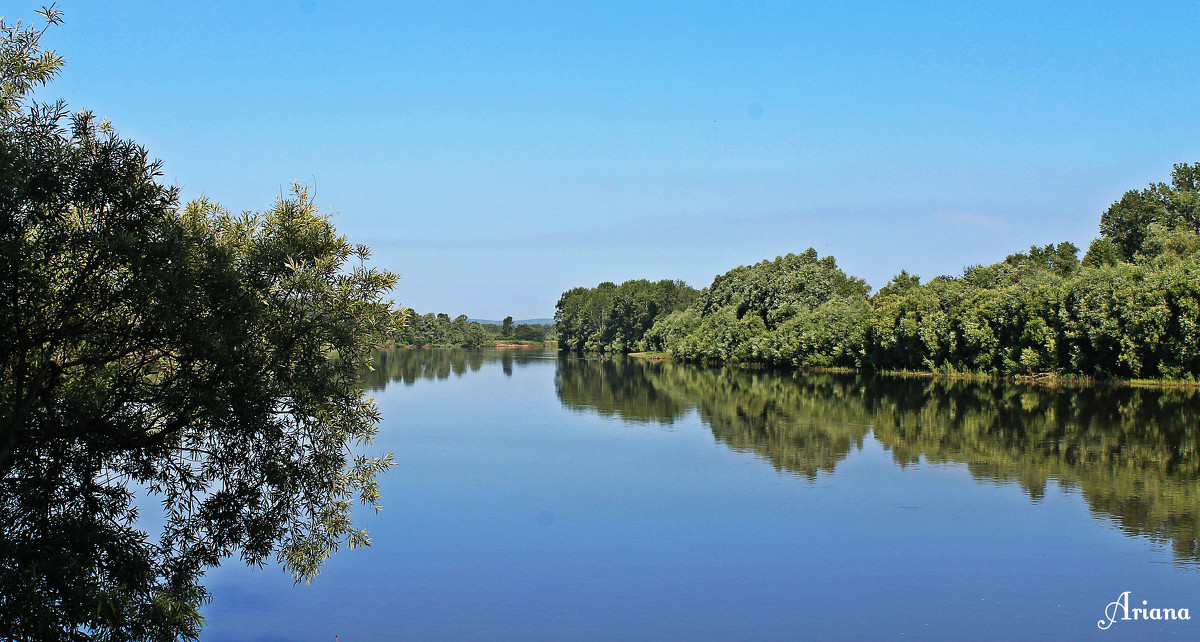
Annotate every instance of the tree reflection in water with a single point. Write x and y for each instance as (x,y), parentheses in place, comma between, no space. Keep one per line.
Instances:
(408,365)
(1132,453)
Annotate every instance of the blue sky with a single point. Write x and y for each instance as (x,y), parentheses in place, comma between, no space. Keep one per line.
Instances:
(496,155)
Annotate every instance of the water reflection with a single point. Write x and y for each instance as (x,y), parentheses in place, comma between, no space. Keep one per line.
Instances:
(1131,452)
(408,365)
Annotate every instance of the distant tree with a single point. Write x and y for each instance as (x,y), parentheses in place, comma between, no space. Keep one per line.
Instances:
(475,336)
(529,332)
(506,330)
(438,330)
(612,318)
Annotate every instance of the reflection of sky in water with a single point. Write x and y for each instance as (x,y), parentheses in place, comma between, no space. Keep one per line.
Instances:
(510,516)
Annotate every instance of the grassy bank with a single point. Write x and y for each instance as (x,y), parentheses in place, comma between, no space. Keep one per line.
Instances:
(513,343)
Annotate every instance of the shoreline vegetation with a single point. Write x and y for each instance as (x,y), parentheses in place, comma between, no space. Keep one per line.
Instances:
(1128,312)
(500,344)
(439,330)
(525,344)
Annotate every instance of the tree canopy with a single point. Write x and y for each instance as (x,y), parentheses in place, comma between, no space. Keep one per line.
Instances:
(439,330)
(209,359)
(795,304)
(1128,222)
(1129,309)
(615,318)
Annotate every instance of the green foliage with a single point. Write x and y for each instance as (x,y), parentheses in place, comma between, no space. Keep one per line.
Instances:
(612,318)
(776,290)
(438,330)
(1129,309)
(1061,259)
(1127,223)
(209,359)
(831,335)
(23,63)
(671,329)
(530,332)
(796,310)
(1102,253)
(1167,245)
(1135,321)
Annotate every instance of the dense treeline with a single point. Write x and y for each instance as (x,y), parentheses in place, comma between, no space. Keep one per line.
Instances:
(615,318)
(440,330)
(1133,453)
(1129,309)
(536,332)
(794,306)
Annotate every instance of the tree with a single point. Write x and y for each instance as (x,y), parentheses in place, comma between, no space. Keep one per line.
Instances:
(530,332)
(1102,253)
(1127,222)
(612,318)
(506,330)
(1062,259)
(209,359)
(23,64)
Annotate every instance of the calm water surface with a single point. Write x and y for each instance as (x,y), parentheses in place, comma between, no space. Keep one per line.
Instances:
(546,497)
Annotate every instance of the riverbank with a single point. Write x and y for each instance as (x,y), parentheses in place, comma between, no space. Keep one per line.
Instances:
(508,344)
(501,343)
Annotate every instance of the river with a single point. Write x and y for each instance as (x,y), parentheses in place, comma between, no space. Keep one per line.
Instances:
(537,496)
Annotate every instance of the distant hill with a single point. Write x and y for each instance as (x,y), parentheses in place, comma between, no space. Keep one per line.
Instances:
(515,321)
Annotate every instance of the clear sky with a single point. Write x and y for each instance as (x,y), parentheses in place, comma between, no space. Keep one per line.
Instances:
(496,154)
